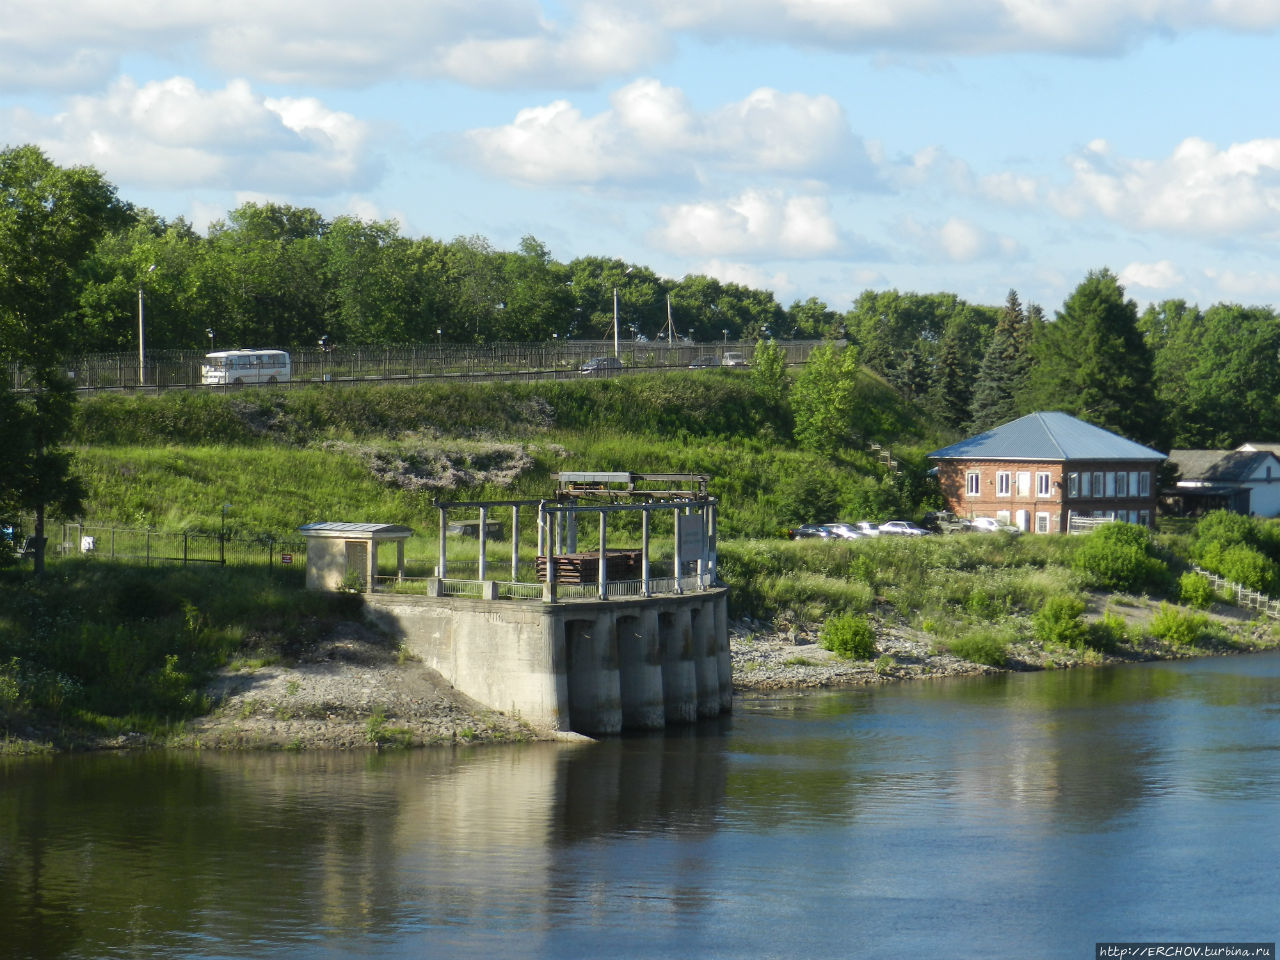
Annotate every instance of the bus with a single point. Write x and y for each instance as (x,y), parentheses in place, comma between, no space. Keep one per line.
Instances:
(245,366)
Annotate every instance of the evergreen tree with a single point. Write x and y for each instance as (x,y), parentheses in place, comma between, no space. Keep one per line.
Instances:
(1003,373)
(1093,363)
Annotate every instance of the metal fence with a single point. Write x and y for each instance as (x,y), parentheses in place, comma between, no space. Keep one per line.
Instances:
(180,369)
(152,547)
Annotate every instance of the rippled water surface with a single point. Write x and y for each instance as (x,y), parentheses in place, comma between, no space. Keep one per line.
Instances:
(1027,815)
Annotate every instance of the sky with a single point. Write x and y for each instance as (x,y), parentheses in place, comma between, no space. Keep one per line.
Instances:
(815,148)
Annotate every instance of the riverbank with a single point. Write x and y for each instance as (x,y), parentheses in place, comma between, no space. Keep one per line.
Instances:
(350,688)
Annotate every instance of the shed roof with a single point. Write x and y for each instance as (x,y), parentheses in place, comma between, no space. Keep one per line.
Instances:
(356,531)
(1047,437)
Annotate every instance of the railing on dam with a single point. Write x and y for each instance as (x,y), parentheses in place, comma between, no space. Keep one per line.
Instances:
(519,590)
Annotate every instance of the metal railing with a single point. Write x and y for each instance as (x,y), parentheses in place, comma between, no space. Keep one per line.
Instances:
(557,359)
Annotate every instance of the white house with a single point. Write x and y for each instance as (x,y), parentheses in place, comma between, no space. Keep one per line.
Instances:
(1246,480)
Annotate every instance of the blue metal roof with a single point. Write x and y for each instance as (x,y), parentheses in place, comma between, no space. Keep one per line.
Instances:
(1047,437)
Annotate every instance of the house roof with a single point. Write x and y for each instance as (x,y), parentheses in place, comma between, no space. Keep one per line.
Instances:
(1047,437)
(375,531)
(1219,466)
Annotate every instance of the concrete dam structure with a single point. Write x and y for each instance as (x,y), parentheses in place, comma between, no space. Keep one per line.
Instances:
(594,667)
(594,642)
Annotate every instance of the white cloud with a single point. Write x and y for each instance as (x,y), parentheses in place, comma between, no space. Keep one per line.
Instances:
(651,131)
(746,275)
(1066,26)
(756,223)
(1161,275)
(959,240)
(1197,190)
(172,134)
(1246,285)
(78,44)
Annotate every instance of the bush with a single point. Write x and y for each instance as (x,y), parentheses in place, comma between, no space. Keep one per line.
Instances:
(1107,633)
(1059,621)
(984,645)
(1182,628)
(1195,590)
(1246,566)
(849,637)
(1115,557)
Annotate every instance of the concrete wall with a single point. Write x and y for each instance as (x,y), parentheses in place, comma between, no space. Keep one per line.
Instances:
(596,667)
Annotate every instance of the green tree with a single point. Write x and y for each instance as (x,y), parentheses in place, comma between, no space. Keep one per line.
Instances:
(824,398)
(1093,363)
(50,220)
(1002,375)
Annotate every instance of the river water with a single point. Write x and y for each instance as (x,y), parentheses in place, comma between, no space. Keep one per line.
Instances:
(1029,815)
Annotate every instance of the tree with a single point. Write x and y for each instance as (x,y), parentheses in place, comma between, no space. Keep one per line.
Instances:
(1002,375)
(50,220)
(1093,363)
(823,399)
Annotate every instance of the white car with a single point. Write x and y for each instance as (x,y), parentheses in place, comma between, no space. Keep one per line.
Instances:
(865,529)
(844,531)
(988,525)
(732,358)
(900,528)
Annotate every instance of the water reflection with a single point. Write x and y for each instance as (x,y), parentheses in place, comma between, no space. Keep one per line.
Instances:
(890,813)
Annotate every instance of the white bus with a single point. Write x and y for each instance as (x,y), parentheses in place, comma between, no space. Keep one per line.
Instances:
(245,366)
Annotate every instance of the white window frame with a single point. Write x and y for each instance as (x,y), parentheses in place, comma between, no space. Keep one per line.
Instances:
(1044,483)
(1073,484)
(972,483)
(1023,485)
(1004,483)
(1042,523)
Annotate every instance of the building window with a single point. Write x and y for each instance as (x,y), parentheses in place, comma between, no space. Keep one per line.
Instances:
(973,483)
(1144,518)
(1042,523)
(1122,484)
(1144,484)
(1044,487)
(1099,487)
(1073,484)
(1002,483)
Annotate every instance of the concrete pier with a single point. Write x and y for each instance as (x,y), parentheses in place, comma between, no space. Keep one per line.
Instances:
(594,667)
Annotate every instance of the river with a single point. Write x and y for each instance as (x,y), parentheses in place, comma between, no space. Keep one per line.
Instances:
(1026,815)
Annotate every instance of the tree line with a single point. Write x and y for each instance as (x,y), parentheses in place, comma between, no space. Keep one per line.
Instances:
(75,258)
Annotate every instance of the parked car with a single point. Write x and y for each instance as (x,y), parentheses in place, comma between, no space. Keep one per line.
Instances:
(844,531)
(866,529)
(988,525)
(901,528)
(706,360)
(601,367)
(809,531)
(944,521)
(732,358)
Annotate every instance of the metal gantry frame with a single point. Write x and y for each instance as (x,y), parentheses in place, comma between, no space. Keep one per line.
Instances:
(557,526)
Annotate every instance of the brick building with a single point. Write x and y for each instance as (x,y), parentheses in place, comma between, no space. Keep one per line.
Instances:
(1042,470)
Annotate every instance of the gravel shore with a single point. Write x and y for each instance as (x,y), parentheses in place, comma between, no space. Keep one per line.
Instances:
(353,690)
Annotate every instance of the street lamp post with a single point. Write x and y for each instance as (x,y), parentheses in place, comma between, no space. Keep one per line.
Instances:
(142,351)
(616,352)
(222,537)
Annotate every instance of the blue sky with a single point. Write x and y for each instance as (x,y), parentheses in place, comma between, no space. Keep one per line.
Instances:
(811,147)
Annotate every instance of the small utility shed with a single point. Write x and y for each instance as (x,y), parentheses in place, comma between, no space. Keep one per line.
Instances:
(335,550)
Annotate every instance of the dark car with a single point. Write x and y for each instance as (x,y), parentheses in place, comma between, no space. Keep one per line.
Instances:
(809,530)
(601,367)
(944,521)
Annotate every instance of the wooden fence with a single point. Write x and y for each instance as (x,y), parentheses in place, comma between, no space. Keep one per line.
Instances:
(1244,597)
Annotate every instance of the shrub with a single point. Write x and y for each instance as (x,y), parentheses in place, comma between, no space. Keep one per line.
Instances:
(1195,590)
(849,637)
(1182,628)
(1246,566)
(1059,621)
(983,645)
(1114,557)
(1107,633)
